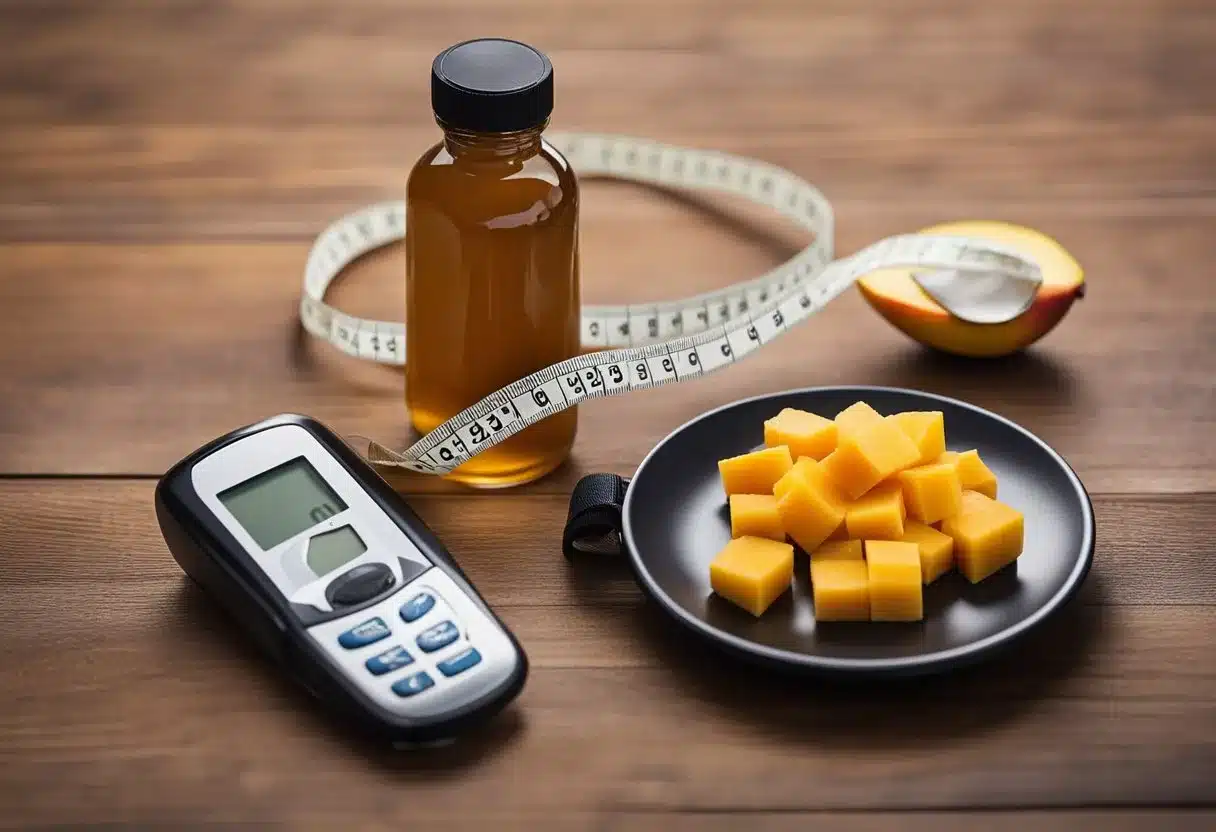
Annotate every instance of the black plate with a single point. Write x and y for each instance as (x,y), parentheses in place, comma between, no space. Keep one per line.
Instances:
(675,520)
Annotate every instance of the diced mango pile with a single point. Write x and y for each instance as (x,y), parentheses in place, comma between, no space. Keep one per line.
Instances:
(877,502)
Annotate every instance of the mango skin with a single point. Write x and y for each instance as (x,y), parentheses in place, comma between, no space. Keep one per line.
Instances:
(903,304)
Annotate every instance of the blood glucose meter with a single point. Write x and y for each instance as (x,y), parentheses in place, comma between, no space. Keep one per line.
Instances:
(338,580)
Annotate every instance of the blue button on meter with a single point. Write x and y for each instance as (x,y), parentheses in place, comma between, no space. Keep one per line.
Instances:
(317,558)
(361,635)
(417,607)
(388,661)
(437,637)
(414,683)
(460,662)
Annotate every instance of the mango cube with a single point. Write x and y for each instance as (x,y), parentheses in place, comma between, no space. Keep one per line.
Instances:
(840,590)
(868,456)
(974,500)
(931,492)
(811,509)
(787,479)
(840,550)
(855,416)
(894,573)
(936,550)
(879,514)
(752,572)
(988,535)
(880,505)
(755,515)
(805,434)
(755,472)
(972,472)
(927,428)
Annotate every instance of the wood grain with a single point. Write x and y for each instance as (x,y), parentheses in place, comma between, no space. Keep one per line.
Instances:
(953,822)
(163,168)
(189,182)
(1108,706)
(159,348)
(65,534)
(774,64)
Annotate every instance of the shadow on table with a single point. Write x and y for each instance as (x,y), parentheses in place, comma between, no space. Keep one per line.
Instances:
(428,762)
(854,714)
(1031,377)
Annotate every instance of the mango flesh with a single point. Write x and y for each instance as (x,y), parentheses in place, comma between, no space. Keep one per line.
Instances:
(787,479)
(805,434)
(811,508)
(988,536)
(885,512)
(879,514)
(894,573)
(867,456)
(902,303)
(927,429)
(839,550)
(931,492)
(973,474)
(755,515)
(840,589)
(752,572)
(854,417)
(936,550)
(755,472)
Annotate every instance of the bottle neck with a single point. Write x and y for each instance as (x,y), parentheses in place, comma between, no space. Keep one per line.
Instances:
(516,145)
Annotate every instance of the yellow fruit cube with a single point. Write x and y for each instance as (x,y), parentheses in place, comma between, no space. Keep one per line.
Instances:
(839,550)
(974,500)
(868,456)
(855,416)
(931,492)
(794,473)
(972,472)
(988,535)
(805,434)
(811,509)
(756,472)
(840,590)
(842,531)
(752,572)
(936,550)
(927,428)
(893,569)
(755,515)
(879,514)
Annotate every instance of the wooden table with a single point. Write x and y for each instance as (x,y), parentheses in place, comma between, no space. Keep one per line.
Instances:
(163,168)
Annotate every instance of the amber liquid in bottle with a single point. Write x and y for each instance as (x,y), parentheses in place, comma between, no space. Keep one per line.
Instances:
(492,288)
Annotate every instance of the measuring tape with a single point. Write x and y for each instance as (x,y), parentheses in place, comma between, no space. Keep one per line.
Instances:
(647,345)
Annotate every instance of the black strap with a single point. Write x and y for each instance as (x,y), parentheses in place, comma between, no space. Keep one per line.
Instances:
(593,523)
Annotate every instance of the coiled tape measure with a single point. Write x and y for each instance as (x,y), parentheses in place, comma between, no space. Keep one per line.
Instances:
(648,345)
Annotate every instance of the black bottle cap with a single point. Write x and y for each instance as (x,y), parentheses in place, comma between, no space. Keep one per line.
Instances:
(492,85)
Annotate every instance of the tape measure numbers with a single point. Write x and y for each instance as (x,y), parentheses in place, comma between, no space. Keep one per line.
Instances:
(645,345)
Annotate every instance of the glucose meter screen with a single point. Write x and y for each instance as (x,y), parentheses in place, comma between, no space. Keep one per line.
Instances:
(329,550)
(280,503)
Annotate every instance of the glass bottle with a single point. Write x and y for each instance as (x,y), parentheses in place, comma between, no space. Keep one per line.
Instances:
(492,274)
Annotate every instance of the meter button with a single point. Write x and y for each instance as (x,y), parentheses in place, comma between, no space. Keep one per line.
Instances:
(417,607)
(460,662)
(414,683)
(441,635)
(388,661)
(359,584)
(361,635)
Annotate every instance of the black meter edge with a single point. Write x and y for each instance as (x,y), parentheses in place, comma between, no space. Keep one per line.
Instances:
(195,539)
